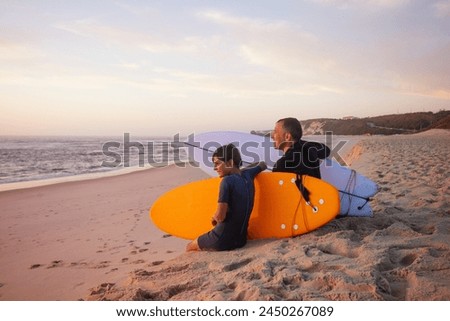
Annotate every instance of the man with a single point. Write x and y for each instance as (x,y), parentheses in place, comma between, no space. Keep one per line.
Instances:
(300,156)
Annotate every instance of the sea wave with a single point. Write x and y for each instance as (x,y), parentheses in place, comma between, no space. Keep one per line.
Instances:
(25,159)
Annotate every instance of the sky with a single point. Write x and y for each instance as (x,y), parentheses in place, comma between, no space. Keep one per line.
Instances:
(98,67)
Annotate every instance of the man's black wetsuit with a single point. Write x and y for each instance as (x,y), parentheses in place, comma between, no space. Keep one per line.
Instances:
(303,158)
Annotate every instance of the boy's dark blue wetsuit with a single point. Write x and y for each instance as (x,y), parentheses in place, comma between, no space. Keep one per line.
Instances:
(238,191)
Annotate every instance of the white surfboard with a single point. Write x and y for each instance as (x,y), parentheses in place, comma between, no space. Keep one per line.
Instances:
(355,189)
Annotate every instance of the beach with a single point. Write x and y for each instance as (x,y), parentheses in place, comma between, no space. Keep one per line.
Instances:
(58,241)
(93,239)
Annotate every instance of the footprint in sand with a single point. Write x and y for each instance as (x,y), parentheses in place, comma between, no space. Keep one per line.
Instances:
(398,258)
(144,273)
(312,251)
(102,289)
(383,285)
(284,248)
(428,229)
(236,265)
(78,264)
(55,264)
(102,265)
(112,270)
(408,259)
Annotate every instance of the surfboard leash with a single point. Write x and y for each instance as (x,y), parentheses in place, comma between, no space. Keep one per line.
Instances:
(305,195)
(350,187)
(367,199)
(202,148)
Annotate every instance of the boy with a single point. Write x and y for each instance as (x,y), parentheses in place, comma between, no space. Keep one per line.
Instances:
(236,196)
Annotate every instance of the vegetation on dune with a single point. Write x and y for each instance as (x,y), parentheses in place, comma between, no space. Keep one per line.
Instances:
(380,125)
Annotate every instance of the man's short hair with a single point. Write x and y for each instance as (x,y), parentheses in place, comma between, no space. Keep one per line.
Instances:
(293,127)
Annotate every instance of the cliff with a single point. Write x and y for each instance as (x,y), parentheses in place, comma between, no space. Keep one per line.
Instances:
(379,125)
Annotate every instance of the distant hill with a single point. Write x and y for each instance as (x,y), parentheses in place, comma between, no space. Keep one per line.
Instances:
(380,125)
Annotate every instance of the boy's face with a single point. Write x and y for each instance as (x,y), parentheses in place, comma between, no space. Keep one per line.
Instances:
(222,168)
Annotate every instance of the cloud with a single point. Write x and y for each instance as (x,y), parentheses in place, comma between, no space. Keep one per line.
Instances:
(246,46)
(239,57)
(295,61)
(442,9)
(277,45)
(128,38)
(140,10)
(380,4)
(427,75)
(254,24)
(11,51)
(287,60)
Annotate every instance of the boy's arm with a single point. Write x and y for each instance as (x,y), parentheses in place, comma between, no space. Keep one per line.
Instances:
(262,165)
(221,213)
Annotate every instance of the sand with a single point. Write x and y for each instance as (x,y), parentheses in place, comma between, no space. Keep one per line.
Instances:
(93,240)
(58,241)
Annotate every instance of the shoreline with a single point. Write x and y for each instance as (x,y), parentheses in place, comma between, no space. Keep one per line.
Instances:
(82,177)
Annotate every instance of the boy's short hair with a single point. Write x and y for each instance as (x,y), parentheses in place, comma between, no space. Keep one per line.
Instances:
(229,152)
(293,127)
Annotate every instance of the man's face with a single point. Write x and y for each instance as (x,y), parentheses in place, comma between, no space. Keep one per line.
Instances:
(279,136)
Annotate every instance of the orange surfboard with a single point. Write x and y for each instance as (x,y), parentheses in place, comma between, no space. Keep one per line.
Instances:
(279,209)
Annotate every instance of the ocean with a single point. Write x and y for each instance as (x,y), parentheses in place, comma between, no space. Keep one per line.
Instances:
(41,160)
(25,159)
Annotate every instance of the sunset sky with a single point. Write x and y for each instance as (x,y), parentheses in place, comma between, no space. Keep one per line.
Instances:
(98,67)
